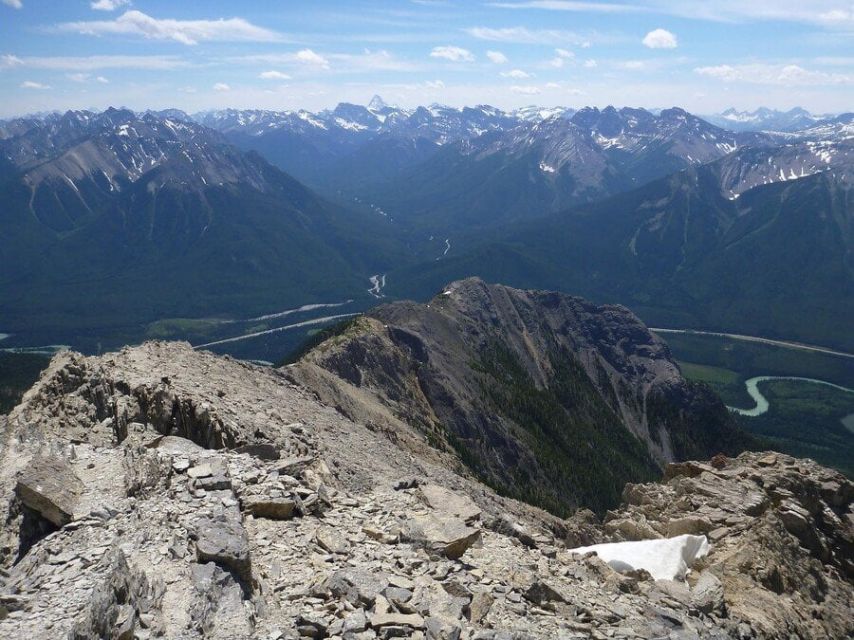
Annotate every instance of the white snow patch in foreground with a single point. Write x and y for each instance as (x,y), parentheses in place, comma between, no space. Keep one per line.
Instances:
(665,559)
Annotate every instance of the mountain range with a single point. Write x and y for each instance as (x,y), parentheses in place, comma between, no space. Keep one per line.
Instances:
(689,250)
(116,220)
(100,210)
(764,119)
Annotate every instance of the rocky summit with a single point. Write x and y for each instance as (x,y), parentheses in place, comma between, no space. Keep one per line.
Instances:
(164,492)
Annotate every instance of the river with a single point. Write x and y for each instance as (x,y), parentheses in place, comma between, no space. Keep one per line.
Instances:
(761,401)
(776,343)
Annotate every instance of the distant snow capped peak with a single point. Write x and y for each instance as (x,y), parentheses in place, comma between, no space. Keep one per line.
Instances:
(534,113)
(765,119)
(377,104)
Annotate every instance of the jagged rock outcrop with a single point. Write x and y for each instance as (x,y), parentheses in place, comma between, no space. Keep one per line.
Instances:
(548,397)
(782,534)
(166,539)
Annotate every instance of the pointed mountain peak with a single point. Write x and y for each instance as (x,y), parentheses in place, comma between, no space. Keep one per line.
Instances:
(376,104)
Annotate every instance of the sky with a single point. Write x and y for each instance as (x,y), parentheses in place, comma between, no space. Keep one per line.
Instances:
(704,56)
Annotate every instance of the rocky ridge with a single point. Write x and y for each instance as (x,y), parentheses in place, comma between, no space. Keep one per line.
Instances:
(493,372)
(206,497)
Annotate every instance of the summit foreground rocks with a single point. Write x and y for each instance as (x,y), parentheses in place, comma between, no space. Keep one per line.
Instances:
(178,530)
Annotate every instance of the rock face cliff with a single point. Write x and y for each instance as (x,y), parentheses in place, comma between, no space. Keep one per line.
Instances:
(546,397)
(160,492)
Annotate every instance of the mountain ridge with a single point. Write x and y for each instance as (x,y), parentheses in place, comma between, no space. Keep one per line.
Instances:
(517,381)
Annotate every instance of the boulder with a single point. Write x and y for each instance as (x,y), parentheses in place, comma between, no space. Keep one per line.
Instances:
(413,620)
(262,506)
(480,605)
(358,587)
(708,593)
(216,605)
(176,445)
(450,503)
(355,622)
(262,451)
(50,487)
(693,525)
(203,470)
(505,525)
(447,536)
(223,540)
(542,592)
(438,629)
(331,540)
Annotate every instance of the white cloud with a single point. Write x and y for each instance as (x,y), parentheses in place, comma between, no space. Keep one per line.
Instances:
(631,65)
(515,73)
(15,4)
(366,61)
(273,75)
(85,77)
(526,90)
(660,39)
(831,14)
(835,61)
(90,63)
(221,86)
(590,63)
(562,55)
(307,56)
(190,32)
(454,54)
(570,5)
(523,35)
(369,60)
(29,84)
(7,61)
(108,5)
(434,84)
(496,57)
(790,75)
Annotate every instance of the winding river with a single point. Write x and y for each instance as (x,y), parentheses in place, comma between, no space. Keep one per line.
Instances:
(761,401)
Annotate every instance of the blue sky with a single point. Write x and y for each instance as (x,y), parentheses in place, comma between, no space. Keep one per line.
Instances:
(194,55)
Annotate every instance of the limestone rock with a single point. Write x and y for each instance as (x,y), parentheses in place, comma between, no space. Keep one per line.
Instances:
(355,622)
(358,587)
(707,594)
(412,620)
(542,592)
(331,540)
(223,540)
(449,536)
(262,506)
(480,605)
(449,502)
(50,487)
